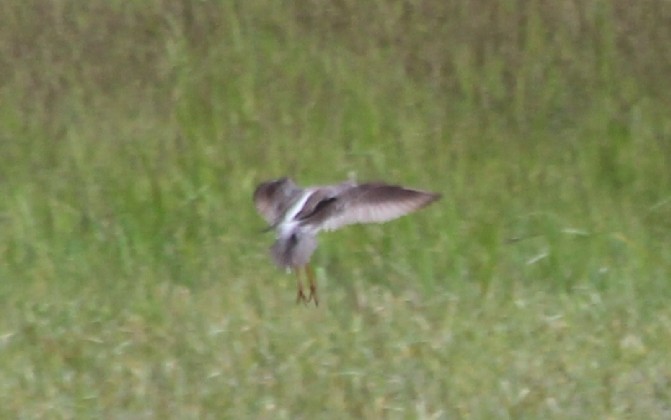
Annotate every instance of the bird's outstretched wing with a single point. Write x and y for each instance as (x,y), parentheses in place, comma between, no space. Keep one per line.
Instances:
(370,203)
(271,197)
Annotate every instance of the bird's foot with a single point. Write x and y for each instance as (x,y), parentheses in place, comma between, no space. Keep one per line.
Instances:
(313,295)
(313,284)
(301,297)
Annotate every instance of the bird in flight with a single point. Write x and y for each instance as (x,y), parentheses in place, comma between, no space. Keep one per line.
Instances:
(298,214)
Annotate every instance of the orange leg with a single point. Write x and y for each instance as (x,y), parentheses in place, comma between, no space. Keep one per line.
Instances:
(300,296)
(313,285)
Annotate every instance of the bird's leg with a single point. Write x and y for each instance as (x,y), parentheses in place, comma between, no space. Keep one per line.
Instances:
(313,285)
(300,296)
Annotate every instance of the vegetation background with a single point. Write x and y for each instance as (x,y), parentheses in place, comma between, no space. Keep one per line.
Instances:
(134,282)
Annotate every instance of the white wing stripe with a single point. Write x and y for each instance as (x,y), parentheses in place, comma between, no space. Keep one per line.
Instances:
(296,208)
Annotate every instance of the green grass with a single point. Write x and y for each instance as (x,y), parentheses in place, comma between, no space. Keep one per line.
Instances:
(134,282)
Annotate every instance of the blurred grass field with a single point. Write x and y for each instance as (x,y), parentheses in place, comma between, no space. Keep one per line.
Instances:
(134,282)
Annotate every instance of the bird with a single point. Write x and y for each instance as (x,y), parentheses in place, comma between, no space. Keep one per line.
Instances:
(298,214)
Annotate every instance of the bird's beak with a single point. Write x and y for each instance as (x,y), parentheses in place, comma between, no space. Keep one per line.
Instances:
(269,228)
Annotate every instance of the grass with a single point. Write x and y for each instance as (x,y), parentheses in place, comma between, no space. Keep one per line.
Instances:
(135,283)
